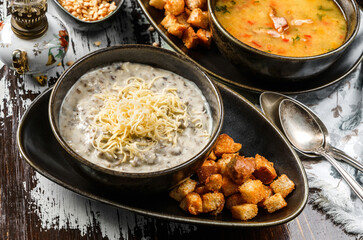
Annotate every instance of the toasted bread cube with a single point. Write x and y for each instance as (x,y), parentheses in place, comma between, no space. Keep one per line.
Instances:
(265,170)
(190,38)
(214,182)
(229,187)
(212,156)
(274,203)
(182,19)
(283,185)
(193,4)
(179,192)
(240,168)
(252,191)
(198,18)
(192,203)
(244,211)
(187,11)
(174,7)
(223,163)
(200,189)
(213,202)
(225,144)
(171,24)
(205,37)
(268,193)
(159,4)
(208,168)
(234,200)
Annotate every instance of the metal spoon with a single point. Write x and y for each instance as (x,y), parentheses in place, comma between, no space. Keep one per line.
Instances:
(305,134)
(270,102)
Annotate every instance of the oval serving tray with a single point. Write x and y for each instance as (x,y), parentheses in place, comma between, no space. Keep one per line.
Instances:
(212,61)
(243,122)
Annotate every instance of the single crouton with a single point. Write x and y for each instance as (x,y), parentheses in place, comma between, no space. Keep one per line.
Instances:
(198,18)
(205,37)
(208,168)
(240,168)
(159,4)
(225,144)
(213,202)
(179,192)
(192,203)
(244,211)
(235,199)
(265,170)
(190,38)
(171,24)
(214,183)
(174,7)
(223,163)
(268,193)
(193,4)
(229,187)
(275,203)
(212,156)
(252,191)
(283,185)
(187,11)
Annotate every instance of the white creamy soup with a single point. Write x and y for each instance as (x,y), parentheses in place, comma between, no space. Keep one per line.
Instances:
(135,118)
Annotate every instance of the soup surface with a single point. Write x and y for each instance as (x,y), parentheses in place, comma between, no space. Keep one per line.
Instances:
(296,28)
(135,118)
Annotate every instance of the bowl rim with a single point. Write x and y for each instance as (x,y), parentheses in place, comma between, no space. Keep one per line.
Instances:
(97,167)
(90,22)
(346,43)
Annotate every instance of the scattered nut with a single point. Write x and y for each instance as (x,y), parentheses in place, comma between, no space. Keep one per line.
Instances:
(69,63)
(97,43)
(155,44)
(59,64)
(151,29)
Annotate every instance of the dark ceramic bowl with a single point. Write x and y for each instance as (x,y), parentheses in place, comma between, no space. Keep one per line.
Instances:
(281,68)
(84,25)
(137,182)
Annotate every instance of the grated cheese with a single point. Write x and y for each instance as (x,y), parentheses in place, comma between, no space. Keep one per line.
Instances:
(134,119)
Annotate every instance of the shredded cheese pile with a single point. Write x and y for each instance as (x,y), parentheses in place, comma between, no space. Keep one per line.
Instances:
(134,112)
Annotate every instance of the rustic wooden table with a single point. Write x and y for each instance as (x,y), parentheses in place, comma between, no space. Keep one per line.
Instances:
(32,207)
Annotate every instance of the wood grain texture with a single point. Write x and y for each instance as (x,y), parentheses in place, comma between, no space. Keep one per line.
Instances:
(33,207)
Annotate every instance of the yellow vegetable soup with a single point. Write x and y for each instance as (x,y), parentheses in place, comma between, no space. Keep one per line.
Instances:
(296,28)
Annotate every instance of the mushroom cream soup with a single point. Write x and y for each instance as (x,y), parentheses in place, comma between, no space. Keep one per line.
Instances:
(135,118)
(296,28)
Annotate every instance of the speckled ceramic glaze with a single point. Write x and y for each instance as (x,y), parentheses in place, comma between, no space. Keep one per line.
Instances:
(156,57)
(280,68)
(43,53)
(87,25)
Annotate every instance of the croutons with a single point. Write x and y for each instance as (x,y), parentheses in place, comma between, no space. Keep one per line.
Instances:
(182,19)
(274,203)
(179,192)
(174,7)
(205,37)
(223,163)
(192,203)
(268,193)
(244,211)
(190,38)
(198,18)
(264,170)
(225,144)
(171,24)
(213,202)
(282,185)
(193,4)
(212,156)
(252,191)
(235,199)
(208,168)
(214,183)
(229,187)
(240,168)
(159,4)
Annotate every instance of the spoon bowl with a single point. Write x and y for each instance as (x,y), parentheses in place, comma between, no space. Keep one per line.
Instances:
(305,135)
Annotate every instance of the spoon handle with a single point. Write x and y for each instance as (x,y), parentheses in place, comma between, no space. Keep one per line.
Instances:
(340,155)
(349,179)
